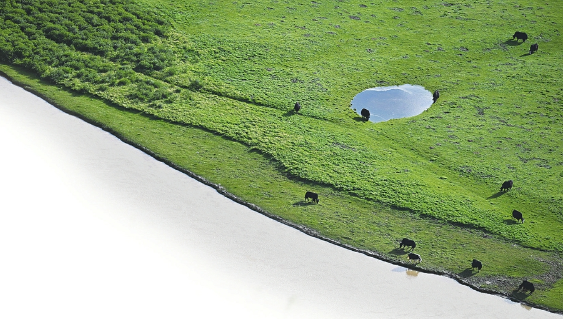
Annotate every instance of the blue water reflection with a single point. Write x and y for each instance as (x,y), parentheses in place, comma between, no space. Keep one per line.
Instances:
(393,102)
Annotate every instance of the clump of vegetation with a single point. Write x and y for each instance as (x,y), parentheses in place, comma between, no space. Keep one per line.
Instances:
(69,40)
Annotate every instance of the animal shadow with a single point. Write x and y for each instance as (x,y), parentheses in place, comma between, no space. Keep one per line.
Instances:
(525,54)
(468,272)
(498,194)
(359,119)
(509,221)
(398,251)
(519,294)
(303,203)
(290,113)
(512,42)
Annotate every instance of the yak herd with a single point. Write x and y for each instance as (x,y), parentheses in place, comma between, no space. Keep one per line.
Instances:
(525,286)
(506,186)
(406,242)
(523,36)
(517,36)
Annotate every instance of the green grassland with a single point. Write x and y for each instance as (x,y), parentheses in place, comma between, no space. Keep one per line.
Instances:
(157,72)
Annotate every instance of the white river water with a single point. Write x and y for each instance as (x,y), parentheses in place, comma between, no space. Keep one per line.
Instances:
(91,227)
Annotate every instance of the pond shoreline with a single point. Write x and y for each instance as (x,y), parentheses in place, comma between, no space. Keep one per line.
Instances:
(220,189)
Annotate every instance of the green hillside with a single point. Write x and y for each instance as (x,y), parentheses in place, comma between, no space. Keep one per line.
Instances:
(235,69)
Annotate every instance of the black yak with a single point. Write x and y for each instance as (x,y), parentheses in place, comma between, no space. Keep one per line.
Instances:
(526,286)
(297,107)
(506,186)
(407,242)
(533,48)
(313,196)
(435,96)
(476,264)
(365,114)
(520,36)
(518,215)
(415,257)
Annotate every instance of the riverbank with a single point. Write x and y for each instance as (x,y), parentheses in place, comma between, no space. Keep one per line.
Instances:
(197,152)
(149,241)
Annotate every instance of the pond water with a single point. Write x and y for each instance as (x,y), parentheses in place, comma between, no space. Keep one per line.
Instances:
(91,227)
(393,102)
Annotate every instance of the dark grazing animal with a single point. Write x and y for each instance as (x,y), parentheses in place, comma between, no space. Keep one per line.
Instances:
(435,96)
(518,215)
(415,257)
(313,196)
(520,36)
(526,286)
(506,186)
(407,242)
(365,114)
(297,107)
(476,264)
(533,48)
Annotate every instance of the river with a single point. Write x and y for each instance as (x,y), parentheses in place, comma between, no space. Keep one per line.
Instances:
(91,227)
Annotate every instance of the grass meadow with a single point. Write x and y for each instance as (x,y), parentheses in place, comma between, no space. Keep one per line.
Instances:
(210,87)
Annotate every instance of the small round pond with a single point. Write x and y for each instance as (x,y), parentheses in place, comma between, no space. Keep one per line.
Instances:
(393,102)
